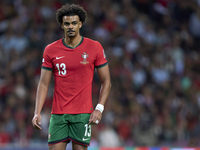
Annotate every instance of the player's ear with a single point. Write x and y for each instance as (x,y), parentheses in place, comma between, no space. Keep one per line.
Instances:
(61,26)
(80,24)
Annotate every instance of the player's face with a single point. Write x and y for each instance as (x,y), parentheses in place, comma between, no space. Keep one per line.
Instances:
(71,25)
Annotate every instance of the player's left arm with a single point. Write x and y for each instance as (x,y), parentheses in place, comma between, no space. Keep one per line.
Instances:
(104,76)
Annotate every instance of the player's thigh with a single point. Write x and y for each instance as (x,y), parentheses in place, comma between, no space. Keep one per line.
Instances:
(76,146)
(58,146)
(79,130)
(58,129)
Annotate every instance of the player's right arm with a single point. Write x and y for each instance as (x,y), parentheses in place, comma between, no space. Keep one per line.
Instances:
(42,90)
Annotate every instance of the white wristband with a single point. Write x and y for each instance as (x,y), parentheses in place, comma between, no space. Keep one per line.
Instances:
(99,107)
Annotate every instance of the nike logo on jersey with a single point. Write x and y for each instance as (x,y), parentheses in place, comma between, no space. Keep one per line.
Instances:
(85,139)
(60,57)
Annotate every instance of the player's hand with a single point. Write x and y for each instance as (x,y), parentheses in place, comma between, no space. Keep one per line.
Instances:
(36,121)
(95,117)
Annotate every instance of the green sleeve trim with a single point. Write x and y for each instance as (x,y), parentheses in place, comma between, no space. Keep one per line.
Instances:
(47,68)
(100,66)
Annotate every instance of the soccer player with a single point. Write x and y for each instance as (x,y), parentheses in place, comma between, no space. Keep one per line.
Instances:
(72,60)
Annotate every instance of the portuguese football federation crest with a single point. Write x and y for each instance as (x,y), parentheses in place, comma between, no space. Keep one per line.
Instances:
(84,56)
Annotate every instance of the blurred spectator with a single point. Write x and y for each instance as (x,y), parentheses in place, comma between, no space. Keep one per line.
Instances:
(108,138)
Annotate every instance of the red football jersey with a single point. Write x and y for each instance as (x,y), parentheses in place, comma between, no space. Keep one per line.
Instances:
(73,70)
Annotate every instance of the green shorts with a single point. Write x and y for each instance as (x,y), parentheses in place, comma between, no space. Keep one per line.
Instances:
(69,127)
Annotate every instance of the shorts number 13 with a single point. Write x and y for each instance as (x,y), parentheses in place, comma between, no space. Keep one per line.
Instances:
(88,129)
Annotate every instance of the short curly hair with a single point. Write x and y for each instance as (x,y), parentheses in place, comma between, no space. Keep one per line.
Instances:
(70,10)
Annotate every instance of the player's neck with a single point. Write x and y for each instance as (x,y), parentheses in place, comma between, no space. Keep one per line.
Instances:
(73,41)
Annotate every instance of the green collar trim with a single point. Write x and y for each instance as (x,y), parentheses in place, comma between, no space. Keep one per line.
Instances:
(63,40)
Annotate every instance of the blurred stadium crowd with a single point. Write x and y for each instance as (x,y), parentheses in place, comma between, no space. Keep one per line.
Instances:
(152,47)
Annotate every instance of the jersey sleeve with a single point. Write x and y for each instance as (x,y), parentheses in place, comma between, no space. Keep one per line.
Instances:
(46,61)
(101,57)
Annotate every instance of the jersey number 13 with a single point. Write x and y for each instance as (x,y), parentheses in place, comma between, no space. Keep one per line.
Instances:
(61,69)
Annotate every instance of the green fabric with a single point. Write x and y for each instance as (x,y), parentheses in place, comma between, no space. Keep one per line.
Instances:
(72,127)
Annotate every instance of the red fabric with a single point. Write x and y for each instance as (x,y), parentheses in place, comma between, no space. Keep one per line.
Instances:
(163,2)
(73,70)
(124,130)
(143,148)
(4,138)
